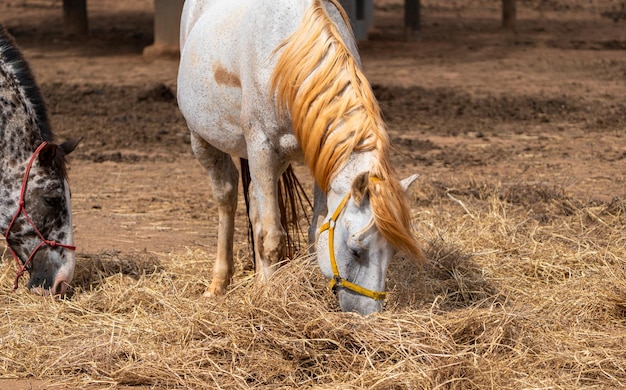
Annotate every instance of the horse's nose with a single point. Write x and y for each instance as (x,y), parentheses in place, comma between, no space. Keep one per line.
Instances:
(62,280)
(60,287)
(63,277)
(353,302)
(50,283)
(40,283)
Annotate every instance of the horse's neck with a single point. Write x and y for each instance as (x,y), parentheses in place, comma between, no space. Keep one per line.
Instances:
(11,171)
(20,134)
(16,147)
(14,155)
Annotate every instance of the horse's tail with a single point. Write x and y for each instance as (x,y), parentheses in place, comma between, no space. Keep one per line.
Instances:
(245,183)
(293,203)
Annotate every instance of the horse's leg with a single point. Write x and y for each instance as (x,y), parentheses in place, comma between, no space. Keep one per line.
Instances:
(224,181)
(319,212)
(269,236)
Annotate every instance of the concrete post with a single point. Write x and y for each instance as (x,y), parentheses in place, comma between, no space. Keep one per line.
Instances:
(166,29)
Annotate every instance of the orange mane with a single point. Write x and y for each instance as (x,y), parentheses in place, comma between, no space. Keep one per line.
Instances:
(334,113)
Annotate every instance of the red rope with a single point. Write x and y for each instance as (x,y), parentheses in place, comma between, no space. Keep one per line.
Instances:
(21,209)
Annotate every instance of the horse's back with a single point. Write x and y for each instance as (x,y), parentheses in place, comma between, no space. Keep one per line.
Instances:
(227,59)
(261,22)
(226,63)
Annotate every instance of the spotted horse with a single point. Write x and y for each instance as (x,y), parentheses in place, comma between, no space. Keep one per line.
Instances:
(35,212)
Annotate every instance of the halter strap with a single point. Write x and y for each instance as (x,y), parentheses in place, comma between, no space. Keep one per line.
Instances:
(337,281)
(21,209)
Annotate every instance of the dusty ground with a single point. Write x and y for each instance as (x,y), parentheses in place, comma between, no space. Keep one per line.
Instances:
(468,102)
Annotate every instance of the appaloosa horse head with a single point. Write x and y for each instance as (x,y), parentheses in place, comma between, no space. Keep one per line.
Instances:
(35,213)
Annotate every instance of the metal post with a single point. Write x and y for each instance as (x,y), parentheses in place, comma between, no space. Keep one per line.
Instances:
(411,19)
(75,17)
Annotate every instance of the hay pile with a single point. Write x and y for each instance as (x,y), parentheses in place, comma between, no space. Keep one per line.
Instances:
(527,289)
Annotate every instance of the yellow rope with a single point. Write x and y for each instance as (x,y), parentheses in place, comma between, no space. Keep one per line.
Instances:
(338,281)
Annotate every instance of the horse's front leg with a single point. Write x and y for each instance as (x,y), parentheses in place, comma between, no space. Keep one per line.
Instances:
(224,181)
(269,236)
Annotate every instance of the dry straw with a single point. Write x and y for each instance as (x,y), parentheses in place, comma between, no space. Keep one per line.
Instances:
(526,289)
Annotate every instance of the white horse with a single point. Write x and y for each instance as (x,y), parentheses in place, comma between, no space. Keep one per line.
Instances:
(277,81)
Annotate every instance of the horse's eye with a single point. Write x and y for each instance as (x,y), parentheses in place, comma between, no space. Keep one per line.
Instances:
(356,249)
(52,201)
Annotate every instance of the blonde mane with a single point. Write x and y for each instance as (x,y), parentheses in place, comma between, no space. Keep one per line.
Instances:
(334,113)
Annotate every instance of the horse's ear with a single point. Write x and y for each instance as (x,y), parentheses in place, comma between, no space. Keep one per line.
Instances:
(47,154)
(68,146)
(406,183)
(359,187)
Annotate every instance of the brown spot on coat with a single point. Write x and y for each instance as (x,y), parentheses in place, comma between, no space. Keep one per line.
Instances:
(224,77)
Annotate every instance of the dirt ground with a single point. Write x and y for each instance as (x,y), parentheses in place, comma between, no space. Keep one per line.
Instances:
(466,102)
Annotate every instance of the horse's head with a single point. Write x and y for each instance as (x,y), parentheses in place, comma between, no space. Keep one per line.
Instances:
(39,221)
(352,252)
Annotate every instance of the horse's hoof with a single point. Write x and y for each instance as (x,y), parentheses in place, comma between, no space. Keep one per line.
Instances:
(214,291)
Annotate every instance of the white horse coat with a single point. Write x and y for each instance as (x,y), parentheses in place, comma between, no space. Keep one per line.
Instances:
(230,50)
(227,47)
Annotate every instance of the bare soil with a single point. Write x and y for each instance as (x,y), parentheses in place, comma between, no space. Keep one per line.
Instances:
(466,103)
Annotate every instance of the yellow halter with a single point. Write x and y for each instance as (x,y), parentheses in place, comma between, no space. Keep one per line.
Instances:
(338,281)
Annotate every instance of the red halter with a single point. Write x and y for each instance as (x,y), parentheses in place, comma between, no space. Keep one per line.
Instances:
(21,209)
